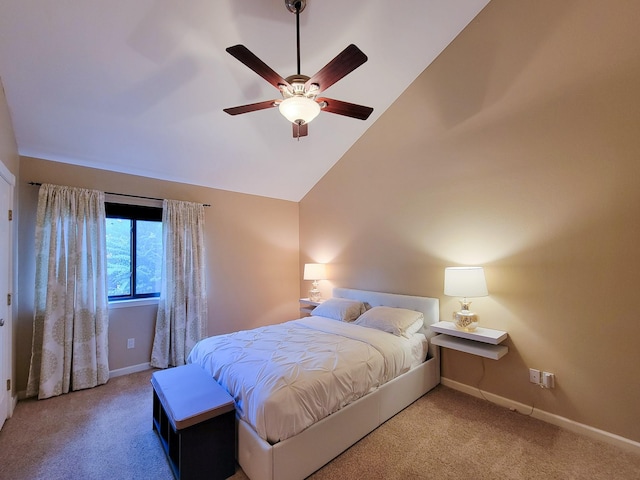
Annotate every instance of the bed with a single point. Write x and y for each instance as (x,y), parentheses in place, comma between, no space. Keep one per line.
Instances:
(272,449)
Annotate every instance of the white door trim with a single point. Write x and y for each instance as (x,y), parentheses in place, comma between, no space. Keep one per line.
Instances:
(6,174)
(7,398)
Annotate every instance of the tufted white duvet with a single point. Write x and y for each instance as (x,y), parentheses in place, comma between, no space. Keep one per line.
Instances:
(286,377)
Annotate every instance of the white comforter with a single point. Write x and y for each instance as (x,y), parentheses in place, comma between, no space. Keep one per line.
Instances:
(288,376)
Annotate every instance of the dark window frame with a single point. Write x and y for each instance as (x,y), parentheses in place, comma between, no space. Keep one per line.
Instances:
(134,213)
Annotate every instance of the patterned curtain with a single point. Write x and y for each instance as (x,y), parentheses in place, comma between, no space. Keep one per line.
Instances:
(69,349)
(182,310)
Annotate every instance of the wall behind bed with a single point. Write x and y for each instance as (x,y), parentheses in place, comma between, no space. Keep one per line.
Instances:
(517,149)
(252,254)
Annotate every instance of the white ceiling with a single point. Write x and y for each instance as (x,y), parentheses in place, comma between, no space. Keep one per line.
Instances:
(139,86)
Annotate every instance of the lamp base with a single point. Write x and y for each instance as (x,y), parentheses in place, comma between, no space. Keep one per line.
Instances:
(465,320)
(314,293)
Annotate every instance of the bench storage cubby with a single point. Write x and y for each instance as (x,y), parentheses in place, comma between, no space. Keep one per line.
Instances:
(195,420)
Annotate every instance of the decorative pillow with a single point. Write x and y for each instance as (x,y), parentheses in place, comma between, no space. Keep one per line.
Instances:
(399,321)
(342,309)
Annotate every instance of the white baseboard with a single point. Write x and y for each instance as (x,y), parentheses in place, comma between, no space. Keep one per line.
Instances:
(567,424)
(13,402)
(22,394)
(127,370)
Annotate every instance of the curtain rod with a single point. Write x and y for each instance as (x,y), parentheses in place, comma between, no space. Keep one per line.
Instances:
(37,184)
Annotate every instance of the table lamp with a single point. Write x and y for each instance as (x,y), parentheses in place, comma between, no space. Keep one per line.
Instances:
(465,282)
(315,272)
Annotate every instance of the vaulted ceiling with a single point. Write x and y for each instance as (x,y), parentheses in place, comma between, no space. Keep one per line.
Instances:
(139,86)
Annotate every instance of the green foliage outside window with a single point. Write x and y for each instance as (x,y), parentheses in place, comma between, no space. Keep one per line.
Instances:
(134,251)
(119,256)
(149,256)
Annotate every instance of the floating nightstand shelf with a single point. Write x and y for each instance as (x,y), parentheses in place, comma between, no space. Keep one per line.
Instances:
(483,341)
(307,305)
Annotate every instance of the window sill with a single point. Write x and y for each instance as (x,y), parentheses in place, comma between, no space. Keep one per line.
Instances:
(136,302)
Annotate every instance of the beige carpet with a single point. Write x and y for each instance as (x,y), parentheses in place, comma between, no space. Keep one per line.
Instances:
(105,433)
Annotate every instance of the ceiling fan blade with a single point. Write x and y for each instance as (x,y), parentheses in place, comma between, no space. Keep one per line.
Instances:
(344,63)
(300,130)
(252,107)
(243,54)
(344,108)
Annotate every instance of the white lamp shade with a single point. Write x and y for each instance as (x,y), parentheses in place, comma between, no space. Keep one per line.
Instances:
(465,282)
(299,109)
(315,271)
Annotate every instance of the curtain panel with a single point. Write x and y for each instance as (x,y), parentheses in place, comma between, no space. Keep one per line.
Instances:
(182,309)
(69,350)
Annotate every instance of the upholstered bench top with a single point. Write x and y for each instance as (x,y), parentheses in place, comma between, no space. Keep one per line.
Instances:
(190,395)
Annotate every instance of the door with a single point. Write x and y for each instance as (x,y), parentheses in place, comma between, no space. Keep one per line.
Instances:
(6,260)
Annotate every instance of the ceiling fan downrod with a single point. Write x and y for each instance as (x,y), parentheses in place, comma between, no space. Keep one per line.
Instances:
(296,6)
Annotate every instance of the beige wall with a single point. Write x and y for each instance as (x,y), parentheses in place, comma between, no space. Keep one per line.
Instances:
(517,149)
(251,249)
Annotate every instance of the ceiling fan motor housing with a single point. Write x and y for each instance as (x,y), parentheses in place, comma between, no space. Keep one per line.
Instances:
(297,87)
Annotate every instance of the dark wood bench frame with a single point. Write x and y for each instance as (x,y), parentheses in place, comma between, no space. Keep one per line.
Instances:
(195,421)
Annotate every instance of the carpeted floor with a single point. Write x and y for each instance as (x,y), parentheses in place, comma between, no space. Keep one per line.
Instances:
(106,433)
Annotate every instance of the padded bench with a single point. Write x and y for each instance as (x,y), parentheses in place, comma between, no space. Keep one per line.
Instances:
(195,420)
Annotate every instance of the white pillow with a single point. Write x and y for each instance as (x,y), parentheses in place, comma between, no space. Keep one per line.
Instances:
(342,309)
(414,328)
(399,321)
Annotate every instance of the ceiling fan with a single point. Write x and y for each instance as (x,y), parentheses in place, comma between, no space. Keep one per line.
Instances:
(300,102)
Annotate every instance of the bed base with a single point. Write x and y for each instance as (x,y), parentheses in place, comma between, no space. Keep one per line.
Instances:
(298,457)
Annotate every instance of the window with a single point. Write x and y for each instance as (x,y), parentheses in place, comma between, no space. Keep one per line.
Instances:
(134,251)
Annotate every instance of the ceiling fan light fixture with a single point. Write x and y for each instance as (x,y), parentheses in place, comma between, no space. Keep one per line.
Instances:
(299,109)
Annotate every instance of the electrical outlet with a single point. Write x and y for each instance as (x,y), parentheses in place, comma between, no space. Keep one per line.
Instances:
(131,343)
(548,380)
(534,376)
